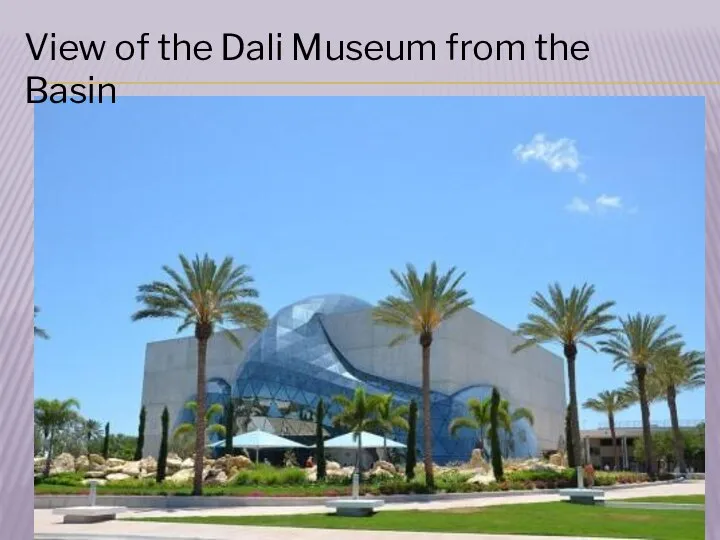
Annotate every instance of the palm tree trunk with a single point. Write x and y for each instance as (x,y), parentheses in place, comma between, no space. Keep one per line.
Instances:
(427,426)
(570,355)
(385,454)
(48,460)
(616,450)
(200,417)
(645,415)
(677,435)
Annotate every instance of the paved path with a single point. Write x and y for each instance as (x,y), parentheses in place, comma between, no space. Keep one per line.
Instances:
(49,527)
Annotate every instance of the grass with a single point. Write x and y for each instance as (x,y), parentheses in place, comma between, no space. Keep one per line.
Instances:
(672,499)
(560,519)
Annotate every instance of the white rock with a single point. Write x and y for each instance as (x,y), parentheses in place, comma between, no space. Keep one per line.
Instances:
(481,478)
(131,468)
(99,482)
(181,477)
(189,463)
(64,463)
(114,462)
(117,477)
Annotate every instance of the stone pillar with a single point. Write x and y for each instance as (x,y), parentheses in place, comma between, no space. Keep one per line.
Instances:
(356,485)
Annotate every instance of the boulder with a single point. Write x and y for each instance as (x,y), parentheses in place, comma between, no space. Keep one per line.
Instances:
(232,464)
(481,478)
(64,463)
(379,472)
(216,477)
(183,476)
(82,463)
(131,468)
(189,463)
(332,466)
(173,465)
(39,464)
(97,459)
(94,474)
(148,465)
(556,459)
(117,477)
(386,466)
(114,462)
(477,461)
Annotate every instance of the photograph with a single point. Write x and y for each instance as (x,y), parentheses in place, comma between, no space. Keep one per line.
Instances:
(367,301)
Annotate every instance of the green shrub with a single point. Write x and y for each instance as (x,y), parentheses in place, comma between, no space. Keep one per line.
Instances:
(62,479)
(266,475)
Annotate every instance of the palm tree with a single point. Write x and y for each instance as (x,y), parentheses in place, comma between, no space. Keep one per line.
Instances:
(39,332)
(423,305)
(507,419)
(357,414)
(92,430)
(210,427)
(205,296)
(389,417)
(53,416)
(478,420)
(640,340)
(610,402)
(675,371)
(571,321)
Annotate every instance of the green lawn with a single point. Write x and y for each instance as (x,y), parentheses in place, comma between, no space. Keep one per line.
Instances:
(539,519)
(675,499)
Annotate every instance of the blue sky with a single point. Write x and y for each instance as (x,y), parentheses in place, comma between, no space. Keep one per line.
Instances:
(322,195)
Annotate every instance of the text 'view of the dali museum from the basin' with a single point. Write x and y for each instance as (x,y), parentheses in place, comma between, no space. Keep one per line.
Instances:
(328,345)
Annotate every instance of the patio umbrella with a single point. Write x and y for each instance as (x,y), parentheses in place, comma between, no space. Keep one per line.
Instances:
(259,440)
(367,440)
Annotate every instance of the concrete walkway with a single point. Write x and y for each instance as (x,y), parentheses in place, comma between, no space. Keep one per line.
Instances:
(50,527)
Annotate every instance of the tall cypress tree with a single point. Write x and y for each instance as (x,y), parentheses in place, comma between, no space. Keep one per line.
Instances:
(106,442)
(411,457)
(569,439)
(141,435)
(497,463)
(319,441)
(229,427)
(162,455)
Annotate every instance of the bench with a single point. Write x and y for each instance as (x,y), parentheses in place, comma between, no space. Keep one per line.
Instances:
(583,495)
(355,507)
(89,514)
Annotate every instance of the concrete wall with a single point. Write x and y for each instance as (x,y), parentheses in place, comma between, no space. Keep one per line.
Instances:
(171,374)
(469,349)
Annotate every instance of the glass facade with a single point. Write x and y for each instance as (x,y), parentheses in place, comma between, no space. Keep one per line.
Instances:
(294,363)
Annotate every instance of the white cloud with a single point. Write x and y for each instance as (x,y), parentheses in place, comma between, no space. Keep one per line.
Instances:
(577,205)
(559,155)
(582,177)
(608,201)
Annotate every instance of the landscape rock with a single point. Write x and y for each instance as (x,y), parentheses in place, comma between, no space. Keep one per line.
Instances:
(173,464)
(82,463)
(332,466)
(386,466)
(189,463)
(117,477)
(380,472)
(114,462)
(481,478)
(131,468)
(216,478)
(97,459)
(148,465)
(95,474)
(183,476)
(477,461)
(39,464)
(64,463)
(556,459)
